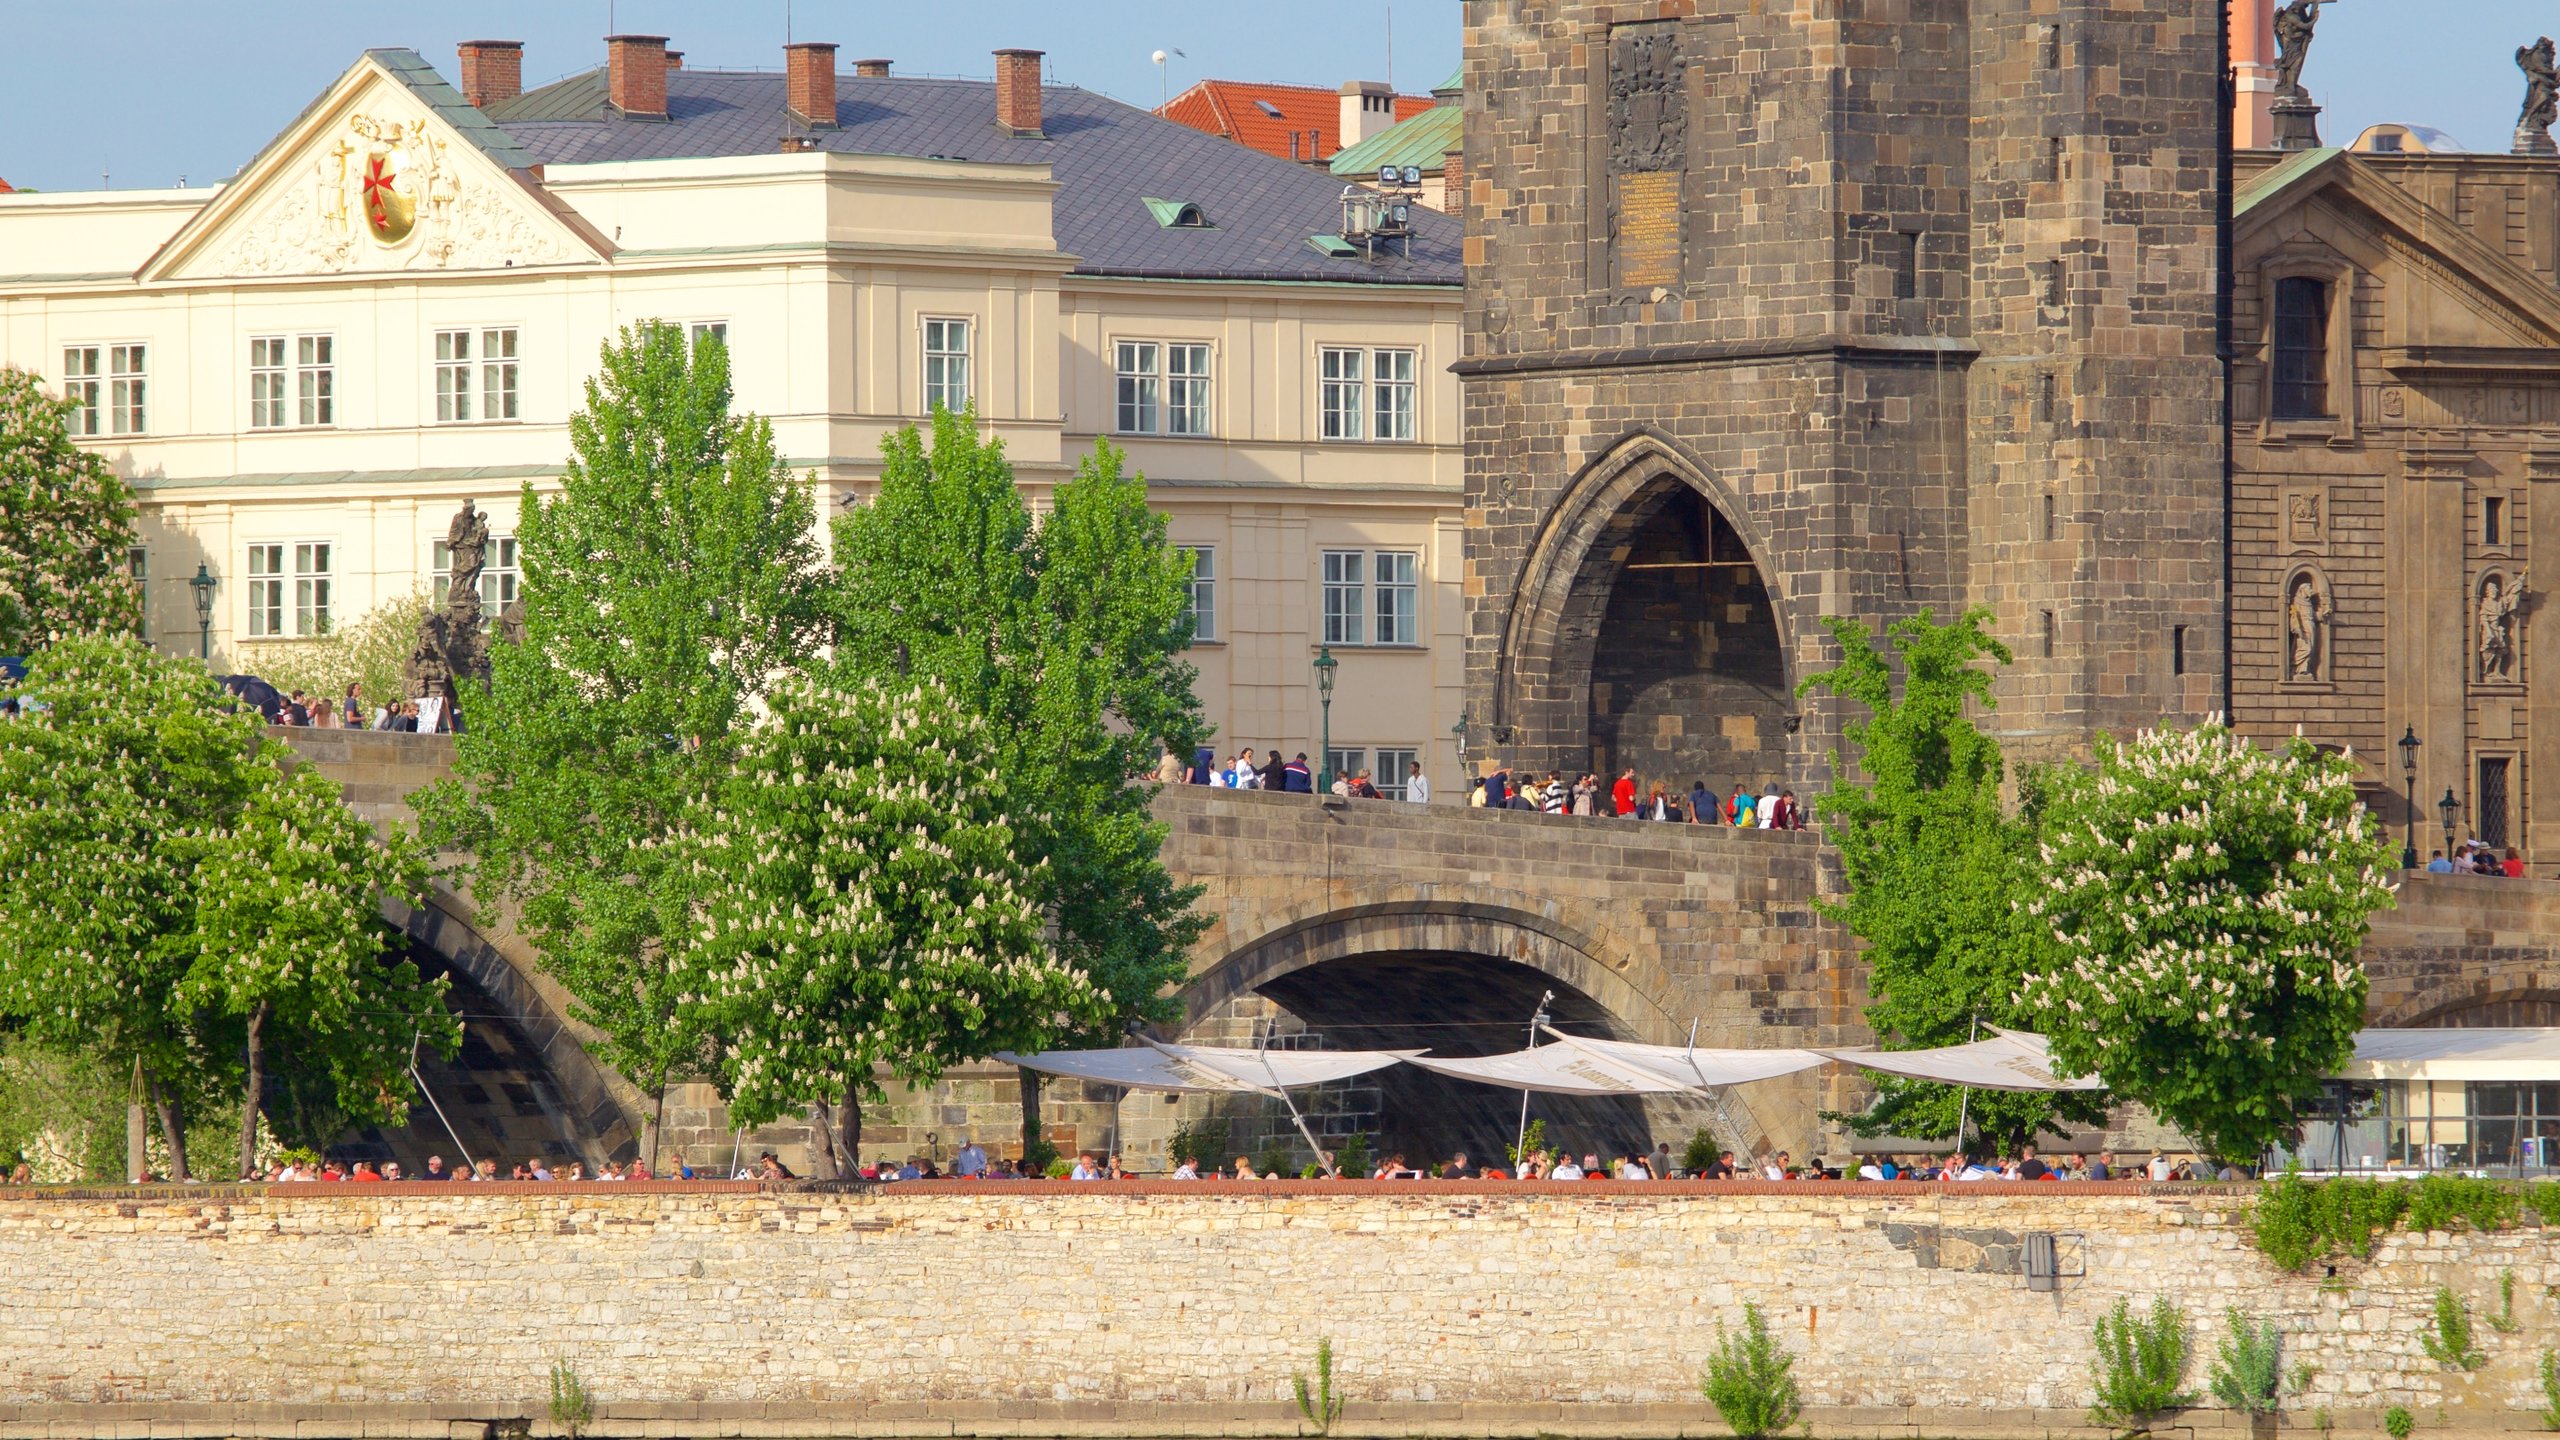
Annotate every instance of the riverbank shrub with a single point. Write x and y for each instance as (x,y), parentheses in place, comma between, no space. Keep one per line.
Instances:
(2298,1221)
(2141,1366)
(2398,1422)
(2448,1343)
(2249,1366)
(1749,1380)
(1321,1406)
(2551,1389)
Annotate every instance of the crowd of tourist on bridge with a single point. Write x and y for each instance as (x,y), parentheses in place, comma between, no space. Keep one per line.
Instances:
(1749,807)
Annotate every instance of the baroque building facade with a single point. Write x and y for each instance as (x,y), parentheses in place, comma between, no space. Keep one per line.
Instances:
(307,370)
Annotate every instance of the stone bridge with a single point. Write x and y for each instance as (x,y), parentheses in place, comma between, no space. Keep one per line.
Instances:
(1372,924)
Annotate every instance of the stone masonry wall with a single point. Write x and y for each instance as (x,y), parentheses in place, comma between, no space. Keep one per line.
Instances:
(941,1309)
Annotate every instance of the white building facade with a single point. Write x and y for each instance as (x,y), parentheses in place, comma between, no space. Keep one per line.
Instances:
(305,371)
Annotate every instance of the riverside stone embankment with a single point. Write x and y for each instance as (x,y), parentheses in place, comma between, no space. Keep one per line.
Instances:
(1169,1309)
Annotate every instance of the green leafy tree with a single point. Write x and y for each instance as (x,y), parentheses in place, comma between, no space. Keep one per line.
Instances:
(1750,1380)
(1067,637)
(666,586)
(1931,857)
(867,907)
(157,858)
(372,652)
(66,521)
(2140,1365)
(2197,914)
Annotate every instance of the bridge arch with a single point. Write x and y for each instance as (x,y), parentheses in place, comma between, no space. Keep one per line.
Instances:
(1645,605)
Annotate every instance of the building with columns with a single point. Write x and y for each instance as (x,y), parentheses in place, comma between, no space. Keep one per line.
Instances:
(391,309)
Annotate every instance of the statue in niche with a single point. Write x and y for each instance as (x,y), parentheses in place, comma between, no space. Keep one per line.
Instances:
(2541,67)
(2294,23)
(2304,613)
(2499,601)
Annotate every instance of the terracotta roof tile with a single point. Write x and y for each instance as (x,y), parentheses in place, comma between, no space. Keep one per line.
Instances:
(1237,110)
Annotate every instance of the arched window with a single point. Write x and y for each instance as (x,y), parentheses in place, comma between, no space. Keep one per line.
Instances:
(2301,349)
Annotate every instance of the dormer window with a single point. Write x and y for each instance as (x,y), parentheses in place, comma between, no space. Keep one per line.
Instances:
(1177,214)
(2301,349)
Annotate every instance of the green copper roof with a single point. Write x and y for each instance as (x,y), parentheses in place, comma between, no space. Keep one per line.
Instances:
(2295,166)
(1456,78)
(1172,213)
(1419,142)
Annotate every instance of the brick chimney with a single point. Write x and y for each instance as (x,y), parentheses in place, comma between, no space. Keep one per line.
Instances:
(1453,181)
(809,71)
(1368,107)
(492,70)
(636,74)
(871,69)
(1018,91)
(675,61)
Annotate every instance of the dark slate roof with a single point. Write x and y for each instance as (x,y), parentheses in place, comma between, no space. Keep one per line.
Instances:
(1108,159)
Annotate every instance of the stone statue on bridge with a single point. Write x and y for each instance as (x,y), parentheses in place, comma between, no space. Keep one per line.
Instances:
(451,647)
(2294,23)
(2541,67)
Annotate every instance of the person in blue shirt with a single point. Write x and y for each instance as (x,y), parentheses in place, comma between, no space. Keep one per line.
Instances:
(2437,864)
(1296,778)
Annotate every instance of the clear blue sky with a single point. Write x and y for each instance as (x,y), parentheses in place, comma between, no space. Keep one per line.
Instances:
(149,90)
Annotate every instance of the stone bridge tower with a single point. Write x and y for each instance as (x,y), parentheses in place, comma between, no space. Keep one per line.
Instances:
(1780,309)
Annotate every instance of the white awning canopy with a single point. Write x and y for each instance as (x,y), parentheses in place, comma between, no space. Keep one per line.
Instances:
(1206,1068)
(2455,1054)
(1578,1065)
(2009,1060)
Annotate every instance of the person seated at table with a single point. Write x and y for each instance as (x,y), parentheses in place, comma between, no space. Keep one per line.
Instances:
(1244,1168)
(1633,1166)
(1565,1169)
(1535,1166)
(1592,1169)
(1397,1169)
(1459,1168)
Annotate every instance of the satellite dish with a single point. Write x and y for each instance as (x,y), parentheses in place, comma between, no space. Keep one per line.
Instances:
(1413,174)
(1386,174)
(1159,57)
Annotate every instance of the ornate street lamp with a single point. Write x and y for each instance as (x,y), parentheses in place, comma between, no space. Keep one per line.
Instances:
(203,585)
(1325,664)
(2408,743)
(2451,809)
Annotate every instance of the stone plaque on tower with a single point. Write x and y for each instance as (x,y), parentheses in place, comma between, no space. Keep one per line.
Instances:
(1648,149)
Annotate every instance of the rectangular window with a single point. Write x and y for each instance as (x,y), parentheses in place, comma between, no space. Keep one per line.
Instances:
(315,380)
(1203,610)
(2052,518)
(80,387)
(1345,761)
(453,376)
(701,330)
(1186,389)
(1399,595)
(2048,634)
(2177,649)
(2301,350)
(311,588)
(266,382)
(2056,291)
(2490,807)
(1906,265)
(501,578)
(946,365)
(498,374)
(266,591)
(1395,768)
(1141,387)
(1393,373)
(137,568)
(2493,520)
(1344,394)
(128,377)
(1344,587)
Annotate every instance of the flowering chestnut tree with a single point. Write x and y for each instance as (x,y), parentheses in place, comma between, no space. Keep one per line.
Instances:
(173,899)
(66,521)
(861,903)
(2197,925)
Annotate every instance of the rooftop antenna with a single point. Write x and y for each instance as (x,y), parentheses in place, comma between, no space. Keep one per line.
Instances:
(1160,75)
(1391,55)
(786,22)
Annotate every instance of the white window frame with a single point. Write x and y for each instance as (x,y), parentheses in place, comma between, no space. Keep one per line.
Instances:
(1342,403)
(1357,755)
(85,388)
(1344,575)
(1203,602)
(498,373)
(695,330)
(1187,367)
(268,369)
(1394,773)
(128,388)
(1137,387)
(315,380)
(314,581)
(1396,578)
(946,368)
(1395,388)
(501,575)
(453,377)
(266,590)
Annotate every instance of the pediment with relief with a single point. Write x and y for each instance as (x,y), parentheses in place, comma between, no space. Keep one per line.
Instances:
(372,179)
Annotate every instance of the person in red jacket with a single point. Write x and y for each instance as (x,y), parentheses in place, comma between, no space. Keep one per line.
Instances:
(1623,794)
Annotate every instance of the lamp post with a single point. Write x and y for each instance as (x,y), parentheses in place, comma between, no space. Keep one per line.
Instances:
(2408,743)
(1325,664)
(202,585)
(2450,808)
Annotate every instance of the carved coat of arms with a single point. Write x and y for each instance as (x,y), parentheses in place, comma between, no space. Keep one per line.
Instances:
(383,180)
